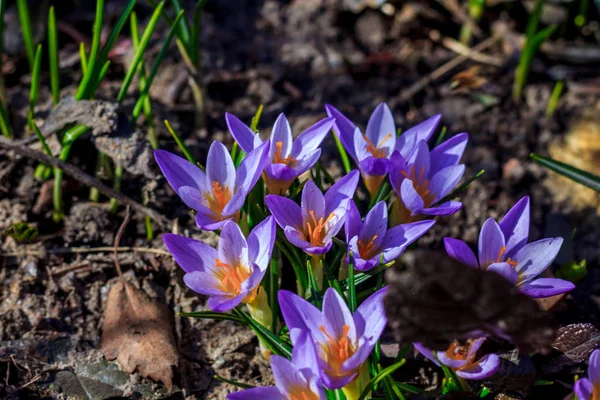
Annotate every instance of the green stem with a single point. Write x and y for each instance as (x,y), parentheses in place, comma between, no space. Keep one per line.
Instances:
(117,186)
(25,21)
(317,267)
(53,56)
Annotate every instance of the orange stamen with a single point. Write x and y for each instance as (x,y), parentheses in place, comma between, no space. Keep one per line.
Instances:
(219,198)
(338,350)
(366,250)
(509,261)
(316,229)
(377,151)
(302,393)
(420,185)
(596,391)
(279,159)
(231,277)
(456,351)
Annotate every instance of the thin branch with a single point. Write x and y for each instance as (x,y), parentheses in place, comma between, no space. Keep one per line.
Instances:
(85,250)
(84,178)
(118,239)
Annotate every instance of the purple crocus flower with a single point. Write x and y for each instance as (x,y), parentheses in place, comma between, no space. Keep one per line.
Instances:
(231,274)
(372,151)
(461,359)
(589,388)
(503,248)
(219,194)
(344,341)
(371,242)
(312,225)
(296,380)
(424,178)
(288,157)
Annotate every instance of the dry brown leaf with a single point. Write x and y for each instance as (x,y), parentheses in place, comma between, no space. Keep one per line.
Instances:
(137,333)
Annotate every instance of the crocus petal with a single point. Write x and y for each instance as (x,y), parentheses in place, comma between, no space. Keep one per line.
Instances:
(233,249)
(546,287)
(370,319)
(534,258)
(375,225)
(246,177)
(430,355)
(179,172)
(320,250)
(341,191)
(360,145)
(193,199)
(343,128)
(310,140)
(300,314)
(219,167)
(287,377)
(447,208)
(312,201)
(398,238)
(224,303)
(253,280)
(506,270)
(281,135)
(209,222)
(304,164)
(337,220)
(419,162)
(583,389)
(296,238)
(374,166)
(280,172)
(336,315)
(191,255)
(406,143)
(398,167)
(482,369)
(491,242)
(515,226)
(409,196)
(353,221)
(242,134)
(204,283)
(594,367)
(358,358)
(261,241)
(257,393)
(449,152)
(445,180)
(285,211)
(450,362)
(336,382)
(380,125)
(304,354)
(460,251)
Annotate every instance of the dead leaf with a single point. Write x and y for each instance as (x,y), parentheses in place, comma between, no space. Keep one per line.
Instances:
(137,332)
(577,341)
(470,78)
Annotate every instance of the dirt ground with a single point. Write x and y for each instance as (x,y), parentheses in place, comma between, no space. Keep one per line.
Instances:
(292,57)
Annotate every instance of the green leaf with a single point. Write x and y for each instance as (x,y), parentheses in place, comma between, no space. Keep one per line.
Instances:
(573,271)
(273,288)
(196,25)
(26,28)
(274,343)
(182,146)
(461,188)
(352,303)
(83,58)
(35,79)
(315,295)
(343,153)
(53,56)
(182,25)
(22,232)
(379,377)
(213,315)
(256,118)
(553,102)
(382,193)
(154,70)
(116,30)
(88,80)
(585,178)
(137,57)
(234,383)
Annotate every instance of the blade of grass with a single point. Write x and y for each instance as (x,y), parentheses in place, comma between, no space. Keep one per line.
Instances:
(4,122)
(25,20)
(343,154)
(116,30)
(585,178)
(213,315)
(35,80)
(53,56)
(379,377)
(5,126)
(315,296)
(256,118)
(182,25)
(553,102)
(140,51)
(182,146)
(117,186)
(196,25)
(231,382)
(273,288)
(88,78)
(273,342)
(461,188)
(352,304)
(83,58)
(154,70)
(42,171)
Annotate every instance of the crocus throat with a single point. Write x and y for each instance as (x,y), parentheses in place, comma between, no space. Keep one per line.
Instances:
(279,159)
(376,150)
(420,185)
(367,250)
(301,393)
(231,277)
(460,352)
(509,261)
(337,351)
(219,198)
(315,229)
(596,391)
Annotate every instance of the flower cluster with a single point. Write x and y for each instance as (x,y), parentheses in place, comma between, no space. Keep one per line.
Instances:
(332,329)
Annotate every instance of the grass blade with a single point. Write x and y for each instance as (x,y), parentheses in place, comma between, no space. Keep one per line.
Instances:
(213,315)
(83,91)
(553,102)
(196,25)
(182,146)
(585,178)
(140,51)
(352,303)
(343,153)
(25,20)
(83,58)
(4,121)
(379,377)
(116,30)
(159,59)
(35,80)
(53,56)
(274,343)
(182,26)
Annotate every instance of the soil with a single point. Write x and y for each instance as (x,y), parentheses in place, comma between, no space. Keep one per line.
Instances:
(292,57)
